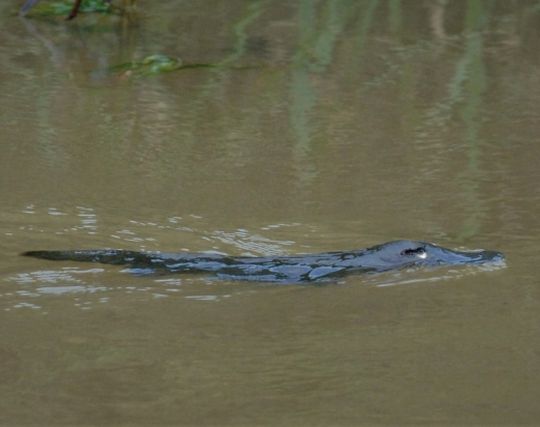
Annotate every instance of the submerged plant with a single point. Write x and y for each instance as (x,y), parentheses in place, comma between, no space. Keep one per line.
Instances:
(159,63)
(156,64)
(66,7)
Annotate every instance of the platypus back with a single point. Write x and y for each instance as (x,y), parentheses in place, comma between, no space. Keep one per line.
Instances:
(104,256)
(294,268)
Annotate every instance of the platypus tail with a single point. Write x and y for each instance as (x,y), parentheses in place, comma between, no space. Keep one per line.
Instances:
(105,256)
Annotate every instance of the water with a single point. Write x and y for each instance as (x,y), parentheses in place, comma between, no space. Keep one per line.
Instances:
(332,125)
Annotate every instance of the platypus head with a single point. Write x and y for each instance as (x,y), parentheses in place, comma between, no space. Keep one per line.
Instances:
(407,253)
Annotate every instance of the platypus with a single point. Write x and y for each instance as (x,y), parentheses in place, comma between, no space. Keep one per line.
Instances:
(394,255)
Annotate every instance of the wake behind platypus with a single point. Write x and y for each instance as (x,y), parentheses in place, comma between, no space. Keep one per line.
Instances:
(283,269)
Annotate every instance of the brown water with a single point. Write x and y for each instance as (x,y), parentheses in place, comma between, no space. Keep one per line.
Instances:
(332,125)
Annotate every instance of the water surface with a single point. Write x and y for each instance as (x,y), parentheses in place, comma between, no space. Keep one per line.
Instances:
(329,125)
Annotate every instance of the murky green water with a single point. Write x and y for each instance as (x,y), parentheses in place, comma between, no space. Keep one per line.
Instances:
(329,125)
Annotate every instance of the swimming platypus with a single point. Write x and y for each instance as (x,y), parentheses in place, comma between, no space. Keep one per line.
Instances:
(286,269)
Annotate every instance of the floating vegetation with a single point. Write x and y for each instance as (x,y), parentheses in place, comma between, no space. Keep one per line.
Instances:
(67,8)
(155,64)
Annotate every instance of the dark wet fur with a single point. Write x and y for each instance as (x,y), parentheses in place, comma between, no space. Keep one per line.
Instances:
(286,269)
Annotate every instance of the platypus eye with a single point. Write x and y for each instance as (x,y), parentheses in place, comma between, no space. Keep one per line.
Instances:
(420,252)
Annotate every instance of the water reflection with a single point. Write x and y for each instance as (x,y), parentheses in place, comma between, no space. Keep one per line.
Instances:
(347,53)
(337,124)
(438,277)
(75,289)
(84,288)
(192,229)
(92,228)
(251,244)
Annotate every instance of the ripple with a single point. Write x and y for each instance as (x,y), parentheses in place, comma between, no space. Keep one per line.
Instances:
(52,276)
(202,297)
(74,289)
(253,243)
(402,278)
